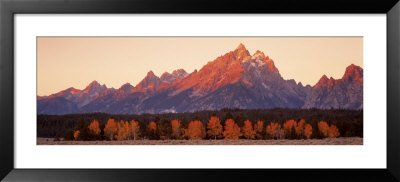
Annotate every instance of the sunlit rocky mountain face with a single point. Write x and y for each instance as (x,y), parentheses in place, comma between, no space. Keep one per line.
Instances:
(346,92)
(234,80)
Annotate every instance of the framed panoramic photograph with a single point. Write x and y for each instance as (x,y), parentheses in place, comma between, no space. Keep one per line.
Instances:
(154,91)
(236,99)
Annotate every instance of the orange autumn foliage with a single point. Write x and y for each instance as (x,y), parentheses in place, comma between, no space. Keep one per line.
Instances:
(328,131)
(110,130)
(300,128)
(123,131)
(76,134)
(308,131)
(323,128)
(152,127)
(176,128)
(274,130)
(134,129)
(289,125)
(232,130)
(333,132)
(152,130)
(94,128)
(214,127)
(248,131)
(258,128)
(195,130)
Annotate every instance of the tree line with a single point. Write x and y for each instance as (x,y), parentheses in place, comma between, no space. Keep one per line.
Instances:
(349,123)
(195,130)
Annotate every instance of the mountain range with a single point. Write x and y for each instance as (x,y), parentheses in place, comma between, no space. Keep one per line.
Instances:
(236,79)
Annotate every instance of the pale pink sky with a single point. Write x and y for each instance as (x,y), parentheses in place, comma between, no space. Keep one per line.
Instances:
(65,62)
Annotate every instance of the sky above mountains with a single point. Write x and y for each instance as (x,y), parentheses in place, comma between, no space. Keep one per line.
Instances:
(65,62)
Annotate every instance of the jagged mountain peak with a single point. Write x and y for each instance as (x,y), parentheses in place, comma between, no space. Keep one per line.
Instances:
(73,90)
(124,90)
(165,74)
(94,83)
(259,55)
(346,92)
(241,47)
(150,82)
(175,75)
(322,81)
(68,91)
(228,69)
(353,73)
(261,59)
(353,69)
(126,85)
(241,53)
(180,73)
(94,86)
(150,74)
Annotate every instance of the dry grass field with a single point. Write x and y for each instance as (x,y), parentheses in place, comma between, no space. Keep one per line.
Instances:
(326,141)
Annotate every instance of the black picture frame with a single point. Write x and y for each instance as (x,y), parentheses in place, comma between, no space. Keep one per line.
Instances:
(9,8)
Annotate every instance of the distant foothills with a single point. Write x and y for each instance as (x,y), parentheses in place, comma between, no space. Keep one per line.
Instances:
(234,80)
